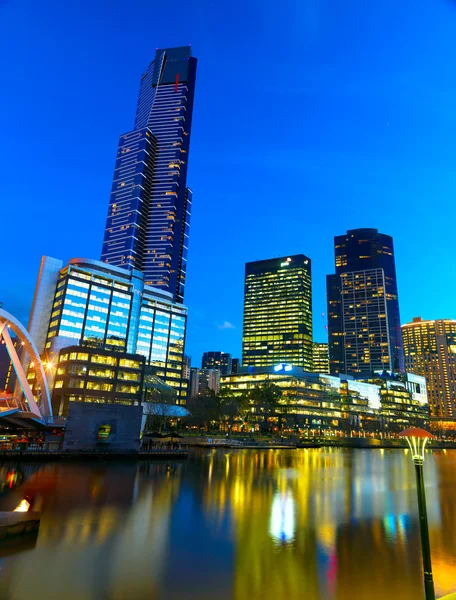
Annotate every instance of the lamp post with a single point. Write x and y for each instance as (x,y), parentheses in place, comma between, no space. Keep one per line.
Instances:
(417,439)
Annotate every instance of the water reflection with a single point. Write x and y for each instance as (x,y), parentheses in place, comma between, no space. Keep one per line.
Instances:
(317,524)
(282,525)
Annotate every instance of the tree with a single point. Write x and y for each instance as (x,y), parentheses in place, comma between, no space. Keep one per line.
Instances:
(264,399)
(204,409)
(231,408)
(157,415)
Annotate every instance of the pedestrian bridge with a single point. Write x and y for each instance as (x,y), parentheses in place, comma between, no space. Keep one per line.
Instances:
(26,411)
(14,412)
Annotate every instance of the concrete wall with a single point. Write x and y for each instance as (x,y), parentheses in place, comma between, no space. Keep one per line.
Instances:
(84,421)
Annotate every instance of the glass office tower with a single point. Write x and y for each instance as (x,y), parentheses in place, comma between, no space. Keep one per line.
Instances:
(278,312)
(430,351)
(148,221)
(364,331)
(109,308)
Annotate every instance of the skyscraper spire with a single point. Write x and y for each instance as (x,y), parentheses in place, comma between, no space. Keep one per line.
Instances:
(148,221)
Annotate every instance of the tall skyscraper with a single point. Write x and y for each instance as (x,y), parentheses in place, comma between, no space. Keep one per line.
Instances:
(364,330)
(430,351)
(278,312)
(320,357)
(148,221)
(217,360)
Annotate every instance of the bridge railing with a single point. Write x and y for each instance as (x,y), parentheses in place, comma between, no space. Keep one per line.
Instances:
(7,402)
(30,447)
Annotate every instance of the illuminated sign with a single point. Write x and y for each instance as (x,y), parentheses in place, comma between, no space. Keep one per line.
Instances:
(103,433)
(286,263)
(282,367)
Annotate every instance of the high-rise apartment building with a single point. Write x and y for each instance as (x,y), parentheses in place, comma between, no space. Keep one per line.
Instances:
(186,365)
(430,351)
(235,365)
(278,312)
(364,332)
(217,360)
(90,303)
(149,211)
(320,357)
(202,380)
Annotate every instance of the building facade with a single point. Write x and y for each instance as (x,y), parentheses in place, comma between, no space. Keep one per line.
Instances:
(202,380)
(94,304)
(217,360)
(102,427)
(278,312)
(148,220)
(320,357)
(387,403)
(89,374)
(186,367)
(430,351)
(235,365)
(364,332)
(8,378)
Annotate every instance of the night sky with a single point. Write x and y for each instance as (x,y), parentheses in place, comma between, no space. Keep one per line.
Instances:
(311,117)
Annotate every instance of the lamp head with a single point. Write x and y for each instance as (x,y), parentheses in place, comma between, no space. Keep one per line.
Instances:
(417,439)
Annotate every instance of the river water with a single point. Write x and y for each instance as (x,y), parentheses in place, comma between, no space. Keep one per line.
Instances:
(317,524)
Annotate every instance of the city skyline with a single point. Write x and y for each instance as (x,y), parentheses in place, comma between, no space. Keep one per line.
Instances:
(382,175)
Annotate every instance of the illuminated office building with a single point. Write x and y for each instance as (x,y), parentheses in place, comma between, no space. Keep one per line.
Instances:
(94,304)
(364,332)
(87,374)
(148,220)
(217,360)
(320,357)
(5,366)
(317,400)
(278,312)
(8,377)
(430,351)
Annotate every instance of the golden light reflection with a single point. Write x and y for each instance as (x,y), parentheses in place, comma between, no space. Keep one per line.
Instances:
(23,506)
(282,522)
(311,523)
(294,513)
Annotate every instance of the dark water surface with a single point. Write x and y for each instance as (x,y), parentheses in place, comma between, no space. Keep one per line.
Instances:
(324,524)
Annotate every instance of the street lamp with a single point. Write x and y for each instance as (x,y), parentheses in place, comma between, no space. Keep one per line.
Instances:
(417,439)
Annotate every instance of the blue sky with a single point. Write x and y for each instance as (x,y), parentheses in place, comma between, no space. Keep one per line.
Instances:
(311,117)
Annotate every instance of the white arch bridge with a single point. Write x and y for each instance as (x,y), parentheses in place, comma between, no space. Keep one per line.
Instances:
(26,410)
